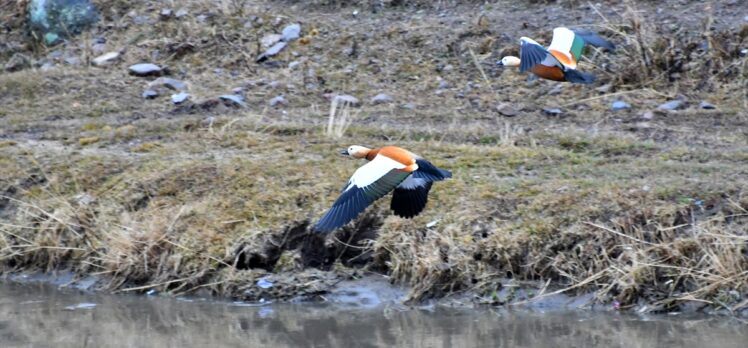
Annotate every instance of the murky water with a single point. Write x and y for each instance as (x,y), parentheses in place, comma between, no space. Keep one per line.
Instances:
(36,315)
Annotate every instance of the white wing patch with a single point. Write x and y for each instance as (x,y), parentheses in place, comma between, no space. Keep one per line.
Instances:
(562,40)
(373,171)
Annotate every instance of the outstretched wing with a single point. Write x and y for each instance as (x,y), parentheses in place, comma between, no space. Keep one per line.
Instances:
(531,54)
(369,183)
(410,197)
(571,42)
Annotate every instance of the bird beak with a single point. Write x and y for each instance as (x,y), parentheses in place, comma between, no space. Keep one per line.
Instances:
(344,152)
(499,63)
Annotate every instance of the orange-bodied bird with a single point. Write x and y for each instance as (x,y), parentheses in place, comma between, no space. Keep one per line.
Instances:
(389,168)
(559,61)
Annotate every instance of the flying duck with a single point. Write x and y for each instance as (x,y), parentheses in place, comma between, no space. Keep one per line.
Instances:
(559,61)
(389,168)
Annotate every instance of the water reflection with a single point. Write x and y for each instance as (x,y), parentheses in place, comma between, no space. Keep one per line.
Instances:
(33,315)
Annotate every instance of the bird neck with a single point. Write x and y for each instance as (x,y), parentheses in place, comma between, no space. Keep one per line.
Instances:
(372,153)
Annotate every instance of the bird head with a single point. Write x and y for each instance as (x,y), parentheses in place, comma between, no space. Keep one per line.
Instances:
(509,61)
(356,151)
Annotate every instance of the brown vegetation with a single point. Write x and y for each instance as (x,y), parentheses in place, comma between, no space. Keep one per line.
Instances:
(205,196)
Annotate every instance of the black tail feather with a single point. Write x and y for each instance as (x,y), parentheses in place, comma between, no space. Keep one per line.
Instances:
(576,76)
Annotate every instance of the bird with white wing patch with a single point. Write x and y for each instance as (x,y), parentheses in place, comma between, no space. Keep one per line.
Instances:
(390,168)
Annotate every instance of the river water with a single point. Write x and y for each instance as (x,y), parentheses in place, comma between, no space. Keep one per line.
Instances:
(40,315)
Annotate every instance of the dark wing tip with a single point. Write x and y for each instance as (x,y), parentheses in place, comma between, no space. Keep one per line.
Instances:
(408,203)
(592,38)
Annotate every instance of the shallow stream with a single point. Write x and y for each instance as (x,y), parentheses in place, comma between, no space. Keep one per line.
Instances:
(41,315)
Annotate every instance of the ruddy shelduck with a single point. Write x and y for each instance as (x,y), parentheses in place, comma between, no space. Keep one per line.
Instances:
(559,61)
(390,168)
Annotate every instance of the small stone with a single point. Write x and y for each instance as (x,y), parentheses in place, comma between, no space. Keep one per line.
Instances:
(233,100)
(408,106)
(444,84)
(264,283)
(556,90)
(293,65)
(165,13)
(169,83)
(278,101)
(707,105)
(145,69)
(291,32)
(647,115)
(552,111)
(140,20)
(106,59)
(181,13)
(238,90)
(84,199)
(744,52)
(671,105)
(448,68)
(604,88)
(270,40)
(620,105)
(150,94)
(381,98)
(179,98)
(201,18)
(47,66)
(98,48)
(347,99)
(72,60)
(18,62)
(506,109)
(272,51)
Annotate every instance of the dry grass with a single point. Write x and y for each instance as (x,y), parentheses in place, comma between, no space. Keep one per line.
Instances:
(205,197)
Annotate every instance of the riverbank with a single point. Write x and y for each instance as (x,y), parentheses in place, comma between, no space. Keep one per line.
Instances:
(645,205)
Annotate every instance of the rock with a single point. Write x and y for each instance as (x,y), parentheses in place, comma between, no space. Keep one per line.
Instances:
(278,101)
(72,60)
(444,84)
(141,20)
(47,66)
(106,59)
(145,69)
(264,283)
(647,115)
(150,94)
(270,40)
(169,83)
(706,105)
(604,88)
(179,98)
(291,32)
(233,100)
(506,109)
(556,90)
(347,99)
(293,65)
(165,13)
(54,20)
(552,111)
(98,48)
(620,105)
(272,51)
(18,62)
(381,98)
(671,105)
(181,13)
(408,106)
